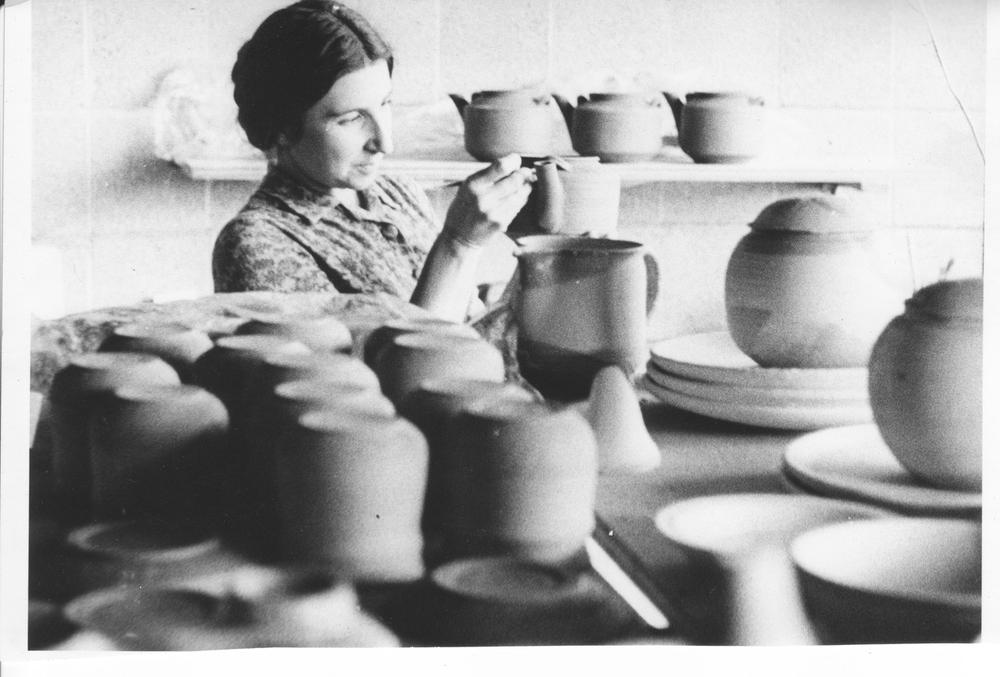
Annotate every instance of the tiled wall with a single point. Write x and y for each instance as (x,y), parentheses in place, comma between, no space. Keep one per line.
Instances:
(859,75)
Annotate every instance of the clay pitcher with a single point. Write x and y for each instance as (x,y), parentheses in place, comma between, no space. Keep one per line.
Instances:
(581,307)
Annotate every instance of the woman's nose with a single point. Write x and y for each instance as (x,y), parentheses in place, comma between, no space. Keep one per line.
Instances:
(381,133)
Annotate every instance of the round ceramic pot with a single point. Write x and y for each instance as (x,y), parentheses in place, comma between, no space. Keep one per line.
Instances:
(322,333)
(722,127)
(432,407)
(350,494)
(619,127)
(382,336)
(804,289)
(925,380)
(176,344)
(157,452)
(306,607)
(522,478)
(133,554)
(411,359)
(582,199)
(500,122)
(581,307)
(285,367)
(75,388)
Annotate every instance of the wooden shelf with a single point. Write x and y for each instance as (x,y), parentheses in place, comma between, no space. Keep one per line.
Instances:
(854,172)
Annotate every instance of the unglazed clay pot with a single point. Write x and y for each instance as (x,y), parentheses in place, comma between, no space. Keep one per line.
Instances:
(382,336)
(804,287)
(616,127)
(500,122)
(176,344)
(925,379)
(432,407)
(350,494)
(522,479)
(411,359)
(322,333)
(580,197)
(157,452)
(719,127)
(581,307)
(74,391)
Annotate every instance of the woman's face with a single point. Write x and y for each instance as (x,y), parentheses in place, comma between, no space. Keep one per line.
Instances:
(345,134)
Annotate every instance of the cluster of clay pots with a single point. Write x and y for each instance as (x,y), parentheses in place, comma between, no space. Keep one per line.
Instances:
(712,127)
(805,289)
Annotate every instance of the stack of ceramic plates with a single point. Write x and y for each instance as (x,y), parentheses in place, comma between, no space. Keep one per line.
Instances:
(709,375)
(853,462)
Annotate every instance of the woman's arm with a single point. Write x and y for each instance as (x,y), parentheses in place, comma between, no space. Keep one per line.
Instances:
(485,204)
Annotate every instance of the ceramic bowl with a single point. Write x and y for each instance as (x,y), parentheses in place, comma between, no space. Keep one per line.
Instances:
(74,390)
(383,335)
(157,452)
(926,385)
(521,480)
(178,345)
(322,333)
(728,527)
(411,359)
(892,580)
(350,494)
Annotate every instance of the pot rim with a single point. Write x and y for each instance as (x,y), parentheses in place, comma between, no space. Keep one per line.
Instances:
(555,243)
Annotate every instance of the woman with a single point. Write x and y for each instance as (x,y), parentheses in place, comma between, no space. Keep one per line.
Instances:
(313,89)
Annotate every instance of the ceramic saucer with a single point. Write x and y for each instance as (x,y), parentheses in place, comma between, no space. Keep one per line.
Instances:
(797,417)
(853,462)
(715,358)
(764,395)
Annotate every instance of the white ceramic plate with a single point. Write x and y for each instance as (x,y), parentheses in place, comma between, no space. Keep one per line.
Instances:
(785,417)
(853,462)
(715,358)
(727,525)
(764,395)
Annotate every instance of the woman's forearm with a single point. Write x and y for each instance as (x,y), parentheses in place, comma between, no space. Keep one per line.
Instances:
(448,280)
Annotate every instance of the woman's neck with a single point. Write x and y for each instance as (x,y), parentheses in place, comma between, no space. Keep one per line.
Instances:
(345,196)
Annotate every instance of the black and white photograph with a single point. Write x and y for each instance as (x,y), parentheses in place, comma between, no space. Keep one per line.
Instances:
(493,335)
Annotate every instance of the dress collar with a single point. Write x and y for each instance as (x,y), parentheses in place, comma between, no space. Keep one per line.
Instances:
(315,205)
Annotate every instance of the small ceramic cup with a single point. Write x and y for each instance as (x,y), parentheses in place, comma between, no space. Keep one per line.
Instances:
(411,359)
(157,452)
(176,344)
(74,390)
(522,478)
(382,336)
(350,494)
(322,333)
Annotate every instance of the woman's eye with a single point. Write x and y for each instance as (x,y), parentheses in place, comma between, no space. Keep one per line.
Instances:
(350,119)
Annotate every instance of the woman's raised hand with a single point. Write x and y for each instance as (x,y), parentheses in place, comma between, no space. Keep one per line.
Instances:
(488,201)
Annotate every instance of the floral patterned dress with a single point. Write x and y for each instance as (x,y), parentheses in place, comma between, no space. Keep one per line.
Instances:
(290,238)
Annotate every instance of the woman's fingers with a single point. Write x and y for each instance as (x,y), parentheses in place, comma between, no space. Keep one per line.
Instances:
(499,169)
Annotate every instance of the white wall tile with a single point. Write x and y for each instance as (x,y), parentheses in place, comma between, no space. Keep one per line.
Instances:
(58,58)
(836,53)
(492,45)
(413,31)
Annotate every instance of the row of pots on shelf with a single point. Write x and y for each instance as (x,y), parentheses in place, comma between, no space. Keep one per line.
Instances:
(713,127)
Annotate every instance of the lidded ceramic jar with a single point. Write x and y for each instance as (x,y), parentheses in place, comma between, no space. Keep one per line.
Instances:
(500,122)
(522,480)
(720,127)
(925,380)
(350,494)
(178,345)
(74,392)
(805,288)
(618,127)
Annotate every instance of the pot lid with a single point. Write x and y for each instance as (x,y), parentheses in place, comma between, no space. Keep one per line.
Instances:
(950,300)
(814,214)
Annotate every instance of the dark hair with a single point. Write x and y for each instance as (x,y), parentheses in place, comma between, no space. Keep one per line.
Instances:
(293,59)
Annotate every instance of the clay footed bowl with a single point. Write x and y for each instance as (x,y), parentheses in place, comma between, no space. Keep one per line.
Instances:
(177,344)
(383,335)
(322,333)
(892,580)
(411,359)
